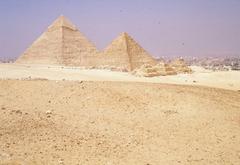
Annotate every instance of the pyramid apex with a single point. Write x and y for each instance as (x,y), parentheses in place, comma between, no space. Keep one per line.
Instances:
(124,34)
(61,17)
(62,21)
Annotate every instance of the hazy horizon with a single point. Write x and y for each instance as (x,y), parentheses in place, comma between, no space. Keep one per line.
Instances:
(163,28)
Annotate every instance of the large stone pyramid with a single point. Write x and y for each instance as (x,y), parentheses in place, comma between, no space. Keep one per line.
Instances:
(60,44)
(126,52)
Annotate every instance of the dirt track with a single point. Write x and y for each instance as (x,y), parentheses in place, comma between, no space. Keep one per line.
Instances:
(49,122)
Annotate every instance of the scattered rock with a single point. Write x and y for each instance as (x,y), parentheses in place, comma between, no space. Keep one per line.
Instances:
(40,79)
(61,161)
(170,112)
(48,112)
(18,112)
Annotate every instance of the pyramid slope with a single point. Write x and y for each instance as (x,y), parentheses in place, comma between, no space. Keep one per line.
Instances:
(60,44)
(125,51)
(138,55)
(116,54)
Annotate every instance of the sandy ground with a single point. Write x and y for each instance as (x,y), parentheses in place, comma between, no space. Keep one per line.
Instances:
(227,80)
(66,122)
(104,117)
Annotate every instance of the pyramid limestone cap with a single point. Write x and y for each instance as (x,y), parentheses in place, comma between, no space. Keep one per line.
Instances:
(61,22)
(125,36)
(122,38)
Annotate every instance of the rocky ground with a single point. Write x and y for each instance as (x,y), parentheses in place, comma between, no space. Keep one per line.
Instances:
(80,122)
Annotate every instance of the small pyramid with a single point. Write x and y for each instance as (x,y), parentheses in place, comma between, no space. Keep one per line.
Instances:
(126,52)
(165,69)
(61,44)
(161,69)
(180,66)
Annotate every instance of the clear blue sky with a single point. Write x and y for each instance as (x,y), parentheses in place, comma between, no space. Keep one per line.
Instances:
(162,27)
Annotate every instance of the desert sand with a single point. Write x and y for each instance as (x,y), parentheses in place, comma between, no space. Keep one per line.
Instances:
(200,77)
(70,115)
(92,122)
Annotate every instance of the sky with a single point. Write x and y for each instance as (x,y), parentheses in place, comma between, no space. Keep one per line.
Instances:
(162,27)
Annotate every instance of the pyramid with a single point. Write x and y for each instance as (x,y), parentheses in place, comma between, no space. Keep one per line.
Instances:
(161,69)
(164,69)
(126,52)
(180,66)
(61,44)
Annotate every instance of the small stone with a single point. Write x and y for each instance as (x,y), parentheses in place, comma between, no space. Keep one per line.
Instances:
(49,112)
(18,112)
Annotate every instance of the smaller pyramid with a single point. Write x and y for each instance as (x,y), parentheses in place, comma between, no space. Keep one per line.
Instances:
(161,69)
(125,52)
(164,69)
(180,66)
